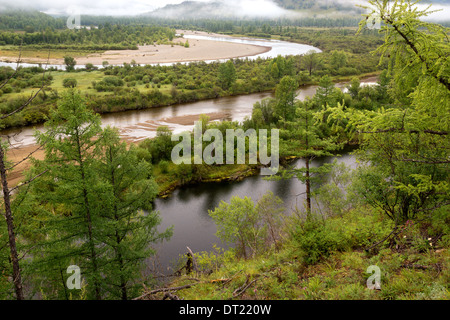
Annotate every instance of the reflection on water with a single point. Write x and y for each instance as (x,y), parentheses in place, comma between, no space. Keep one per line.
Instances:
(187,208)
(137,125)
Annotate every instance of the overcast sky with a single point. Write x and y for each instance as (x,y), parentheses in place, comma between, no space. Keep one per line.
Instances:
(95,7)
(132,7)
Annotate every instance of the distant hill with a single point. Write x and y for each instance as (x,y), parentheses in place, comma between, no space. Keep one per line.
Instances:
(190,10)
(316,5)
(219,9)
(335,4)
(28,20)
(261,9)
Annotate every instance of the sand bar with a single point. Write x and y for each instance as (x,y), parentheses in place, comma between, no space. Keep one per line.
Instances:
(199,50)
(17,154)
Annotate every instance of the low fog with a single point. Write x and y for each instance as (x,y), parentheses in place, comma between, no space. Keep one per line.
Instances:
(200,8)
(225,9)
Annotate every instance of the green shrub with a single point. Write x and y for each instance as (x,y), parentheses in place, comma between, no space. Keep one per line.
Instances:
(69,83)
(317,239)
(7,89)
(164,166)
(143,154)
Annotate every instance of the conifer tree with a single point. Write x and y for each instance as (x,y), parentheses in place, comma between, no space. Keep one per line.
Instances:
(94,205)
(126,231)
(303,138)
(71,148)
(406,144)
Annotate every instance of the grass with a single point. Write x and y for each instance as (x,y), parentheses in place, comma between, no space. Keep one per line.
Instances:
(168,180)
(42,55)
(84,82)
(406,274)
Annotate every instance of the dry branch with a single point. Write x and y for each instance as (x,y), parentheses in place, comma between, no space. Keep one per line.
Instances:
(166,290)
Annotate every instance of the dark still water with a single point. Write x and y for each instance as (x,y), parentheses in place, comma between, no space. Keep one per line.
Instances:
(187,210)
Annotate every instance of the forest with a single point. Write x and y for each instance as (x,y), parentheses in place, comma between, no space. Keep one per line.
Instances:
(89,201)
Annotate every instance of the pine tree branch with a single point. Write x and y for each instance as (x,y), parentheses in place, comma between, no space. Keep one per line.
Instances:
(411,44)
(15,71)
(27,182)
(402,130)
(32,97)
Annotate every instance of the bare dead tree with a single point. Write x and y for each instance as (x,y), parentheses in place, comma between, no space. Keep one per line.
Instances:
(7,191)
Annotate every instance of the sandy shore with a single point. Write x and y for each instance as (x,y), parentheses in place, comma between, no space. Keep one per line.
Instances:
(17,154)
(198,50)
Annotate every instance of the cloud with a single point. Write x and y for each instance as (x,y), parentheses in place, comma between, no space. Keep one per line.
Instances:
(260,8)
(264,8)
(442,15)
(134,7)
(223,9)
(97,7)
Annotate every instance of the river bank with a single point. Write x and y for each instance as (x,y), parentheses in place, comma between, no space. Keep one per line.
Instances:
(135,126)
(198,50)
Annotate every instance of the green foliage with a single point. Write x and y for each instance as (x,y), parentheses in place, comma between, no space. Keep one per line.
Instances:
(90,67)
(250,227)
(69,83)
(164,166)
(237,223)
(108,83)
(127,230)
(105,36)
(333,196)
(406,143)
(227,75)
(161,147)
(327,93)
(311,61)
(89,206)
(28,20)
(285,95)
(318,239)
(263,112)
(70,63)
(7,89)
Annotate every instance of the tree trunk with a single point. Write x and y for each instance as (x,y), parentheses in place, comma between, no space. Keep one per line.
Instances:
(123,282)
(88,218)
(308,174)
(308,190)
(17,279)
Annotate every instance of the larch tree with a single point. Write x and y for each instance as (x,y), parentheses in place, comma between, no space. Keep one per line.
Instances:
(71,148)
(406,143)
(127,231)
(94,204)
(5,168)
(227,75)
(303,137)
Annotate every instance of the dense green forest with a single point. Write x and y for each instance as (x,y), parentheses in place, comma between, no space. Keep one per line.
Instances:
(89,200)
(28,20)
(105,37)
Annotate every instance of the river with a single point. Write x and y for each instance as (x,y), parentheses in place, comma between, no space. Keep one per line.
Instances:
(137,125)
(187,208)
(278,47)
